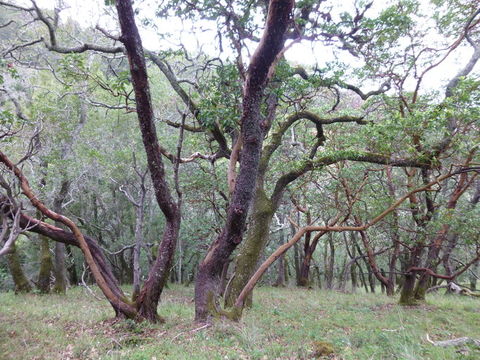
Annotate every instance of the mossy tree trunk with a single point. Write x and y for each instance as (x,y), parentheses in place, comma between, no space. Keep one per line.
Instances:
(438,242)
(473,276)
(46,266)
(256,239)
(22,285)
(407,295)
(253,128)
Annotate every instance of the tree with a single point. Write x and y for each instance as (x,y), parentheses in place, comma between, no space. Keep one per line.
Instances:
(229,111)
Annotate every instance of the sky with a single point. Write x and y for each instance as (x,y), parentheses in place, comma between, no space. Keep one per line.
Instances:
(93,12)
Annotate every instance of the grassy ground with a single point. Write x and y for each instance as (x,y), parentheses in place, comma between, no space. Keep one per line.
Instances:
(283,324)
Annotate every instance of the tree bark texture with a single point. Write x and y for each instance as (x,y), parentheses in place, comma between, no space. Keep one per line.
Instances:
(149,296)
(22,285)
(257,237)
(46,266)
(260,68)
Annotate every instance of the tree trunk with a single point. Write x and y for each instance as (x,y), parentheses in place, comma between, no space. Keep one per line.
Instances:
(137,271)
(371,279)
(474,275)
(223,285)
(407,295)
(353,276)
(149,296)
(60,270)
(296,261)
(46,266)
(329,262)
(280,281)
(72,267)
(261,67)
(362,277)
(22,285)
(249,254)
(440,238)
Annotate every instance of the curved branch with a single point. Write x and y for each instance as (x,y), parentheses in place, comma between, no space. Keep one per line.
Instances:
(291,119)
(329,159)
(299,234)
(115,300)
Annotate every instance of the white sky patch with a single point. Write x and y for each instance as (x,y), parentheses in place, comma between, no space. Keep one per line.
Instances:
(201,36)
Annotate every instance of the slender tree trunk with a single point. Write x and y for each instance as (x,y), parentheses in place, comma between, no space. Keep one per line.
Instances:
(280,281)
(363,281)
(306,262)
(382,285)
(223,285)
(474,275)
(353,276)
(60,269)
(296,262)
(390,286)
(46,263)
(149,296)
(137,271)
(72,267)
(371,280)
(329,262)
(318,274)
(441,237)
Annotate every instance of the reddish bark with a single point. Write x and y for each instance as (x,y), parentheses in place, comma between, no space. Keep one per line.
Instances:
(261,66)
(149,296)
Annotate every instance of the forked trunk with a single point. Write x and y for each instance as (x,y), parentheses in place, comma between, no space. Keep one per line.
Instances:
(261,67)
(249,254)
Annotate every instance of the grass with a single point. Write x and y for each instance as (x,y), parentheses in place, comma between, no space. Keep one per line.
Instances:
(283,324)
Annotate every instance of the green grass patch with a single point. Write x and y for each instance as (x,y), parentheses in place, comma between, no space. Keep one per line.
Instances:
(283,324)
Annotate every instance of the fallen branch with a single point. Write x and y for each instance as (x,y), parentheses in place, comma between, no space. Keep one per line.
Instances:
(454,342)
(455,289)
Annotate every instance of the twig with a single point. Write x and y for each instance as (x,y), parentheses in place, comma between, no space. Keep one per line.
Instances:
(84,284)
(192,331)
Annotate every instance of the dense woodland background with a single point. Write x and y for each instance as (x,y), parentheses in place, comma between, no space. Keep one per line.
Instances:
(357,168)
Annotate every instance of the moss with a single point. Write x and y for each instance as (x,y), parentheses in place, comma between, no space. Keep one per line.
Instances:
(322,348)
(408,300)
(214,309)
(252,246)
(22,285)
(46,266)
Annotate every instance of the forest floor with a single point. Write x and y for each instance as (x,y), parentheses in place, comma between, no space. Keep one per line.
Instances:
(283,324)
